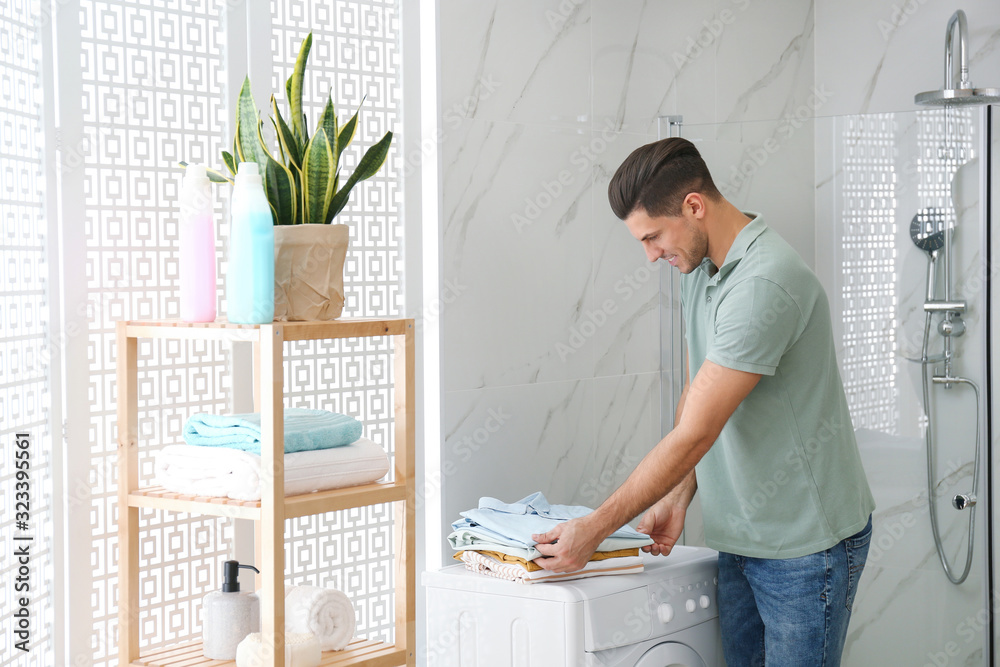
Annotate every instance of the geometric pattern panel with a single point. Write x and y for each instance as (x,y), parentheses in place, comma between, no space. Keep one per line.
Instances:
(350,551)
(153,94)
(870,302)
(355,56)
(25,350)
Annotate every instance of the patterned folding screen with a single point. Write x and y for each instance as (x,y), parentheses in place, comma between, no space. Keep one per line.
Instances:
(355,56)
(153,94)
(26,340)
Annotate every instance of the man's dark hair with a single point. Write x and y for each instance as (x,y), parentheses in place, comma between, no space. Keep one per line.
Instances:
(658,176)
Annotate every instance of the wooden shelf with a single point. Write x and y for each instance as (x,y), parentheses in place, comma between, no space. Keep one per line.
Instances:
(359,651)
(223,330)
(157,497)
(274,507)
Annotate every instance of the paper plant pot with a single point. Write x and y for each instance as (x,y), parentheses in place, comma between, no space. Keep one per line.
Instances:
(309,271)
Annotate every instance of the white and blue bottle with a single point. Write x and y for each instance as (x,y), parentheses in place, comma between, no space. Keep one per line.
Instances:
(250,275)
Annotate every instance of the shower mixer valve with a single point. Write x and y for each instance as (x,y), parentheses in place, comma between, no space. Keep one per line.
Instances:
(952,326)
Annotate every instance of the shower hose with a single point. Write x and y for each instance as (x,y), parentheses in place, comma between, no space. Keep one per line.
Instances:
(928,436)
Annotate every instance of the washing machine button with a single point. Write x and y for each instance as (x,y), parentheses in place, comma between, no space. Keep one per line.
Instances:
(690,605)
(665,612)
(704,602)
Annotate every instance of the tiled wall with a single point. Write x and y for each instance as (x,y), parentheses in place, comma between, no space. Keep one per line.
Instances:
(874,57)
(547,389)
(550,323)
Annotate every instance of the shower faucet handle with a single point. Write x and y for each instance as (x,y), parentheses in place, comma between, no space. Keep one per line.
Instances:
(963,501)
(944,306)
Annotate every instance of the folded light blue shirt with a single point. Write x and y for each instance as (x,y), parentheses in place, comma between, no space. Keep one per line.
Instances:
(305,430)
(513,524)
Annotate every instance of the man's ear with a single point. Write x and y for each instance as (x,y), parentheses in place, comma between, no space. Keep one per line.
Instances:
(694,204)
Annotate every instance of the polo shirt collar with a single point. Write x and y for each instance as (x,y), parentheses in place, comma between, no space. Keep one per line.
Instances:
(741,244)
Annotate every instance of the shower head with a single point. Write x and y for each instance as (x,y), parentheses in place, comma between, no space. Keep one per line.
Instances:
(954,97)
(963,94)
(927,229)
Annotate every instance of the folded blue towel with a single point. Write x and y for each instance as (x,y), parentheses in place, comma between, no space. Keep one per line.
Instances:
(304,430)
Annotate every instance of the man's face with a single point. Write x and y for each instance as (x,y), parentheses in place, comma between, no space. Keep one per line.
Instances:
(676,239)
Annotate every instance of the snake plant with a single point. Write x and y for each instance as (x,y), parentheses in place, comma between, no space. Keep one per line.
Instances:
(302,178)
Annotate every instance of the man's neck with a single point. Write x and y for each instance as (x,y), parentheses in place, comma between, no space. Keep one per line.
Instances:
(722,232)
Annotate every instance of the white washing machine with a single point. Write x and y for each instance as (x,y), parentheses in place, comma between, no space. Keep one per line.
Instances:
(665,616)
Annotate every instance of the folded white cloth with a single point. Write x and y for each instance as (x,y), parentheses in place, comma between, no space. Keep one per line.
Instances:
(231,473)
(301,650)
(325,612)
(491,567)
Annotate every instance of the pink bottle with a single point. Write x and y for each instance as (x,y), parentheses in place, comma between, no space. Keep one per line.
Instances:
(197,241)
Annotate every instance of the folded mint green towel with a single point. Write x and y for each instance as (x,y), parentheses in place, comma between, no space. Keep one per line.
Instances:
(304,430)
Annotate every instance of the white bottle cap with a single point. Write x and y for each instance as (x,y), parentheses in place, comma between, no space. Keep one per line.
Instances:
(248,173)
(195,173)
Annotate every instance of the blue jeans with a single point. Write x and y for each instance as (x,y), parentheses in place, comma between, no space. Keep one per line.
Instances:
(790,612)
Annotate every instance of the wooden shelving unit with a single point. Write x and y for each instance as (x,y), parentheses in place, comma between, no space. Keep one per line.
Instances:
(274,507)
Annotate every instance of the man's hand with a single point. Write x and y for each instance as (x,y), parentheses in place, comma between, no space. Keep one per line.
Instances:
(663,522)
(569,546)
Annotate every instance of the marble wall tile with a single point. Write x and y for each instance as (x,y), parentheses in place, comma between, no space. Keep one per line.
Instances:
(508,442)
(644,53)
(875,56)
(897,620)
(516,60)
(626,416)
(516,250)
(764,60)
(765,166)
(575,441)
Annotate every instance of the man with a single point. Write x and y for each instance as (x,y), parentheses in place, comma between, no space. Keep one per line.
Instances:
(762,428)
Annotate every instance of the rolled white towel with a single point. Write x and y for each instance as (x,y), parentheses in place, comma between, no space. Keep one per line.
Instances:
(301,650)
(325,612)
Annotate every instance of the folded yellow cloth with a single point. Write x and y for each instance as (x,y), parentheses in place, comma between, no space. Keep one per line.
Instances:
(531,566)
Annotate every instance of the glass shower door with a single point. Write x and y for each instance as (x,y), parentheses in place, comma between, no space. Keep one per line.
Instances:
(844,192)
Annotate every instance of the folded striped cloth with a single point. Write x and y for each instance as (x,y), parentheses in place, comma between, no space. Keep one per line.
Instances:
(483,564)
(532,566)
(305,430)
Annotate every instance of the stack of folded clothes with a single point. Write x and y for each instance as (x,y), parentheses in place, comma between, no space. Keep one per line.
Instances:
(323,450)
(495,540)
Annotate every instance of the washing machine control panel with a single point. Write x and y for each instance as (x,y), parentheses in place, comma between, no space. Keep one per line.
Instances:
(681,602)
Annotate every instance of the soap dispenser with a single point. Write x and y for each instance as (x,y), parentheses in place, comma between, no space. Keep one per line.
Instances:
(229,615)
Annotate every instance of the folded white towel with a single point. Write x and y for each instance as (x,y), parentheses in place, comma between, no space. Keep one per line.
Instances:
(231,473)
(301,650)
(325,612)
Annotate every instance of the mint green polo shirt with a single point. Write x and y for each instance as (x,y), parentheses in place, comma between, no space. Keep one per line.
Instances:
(784,478)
